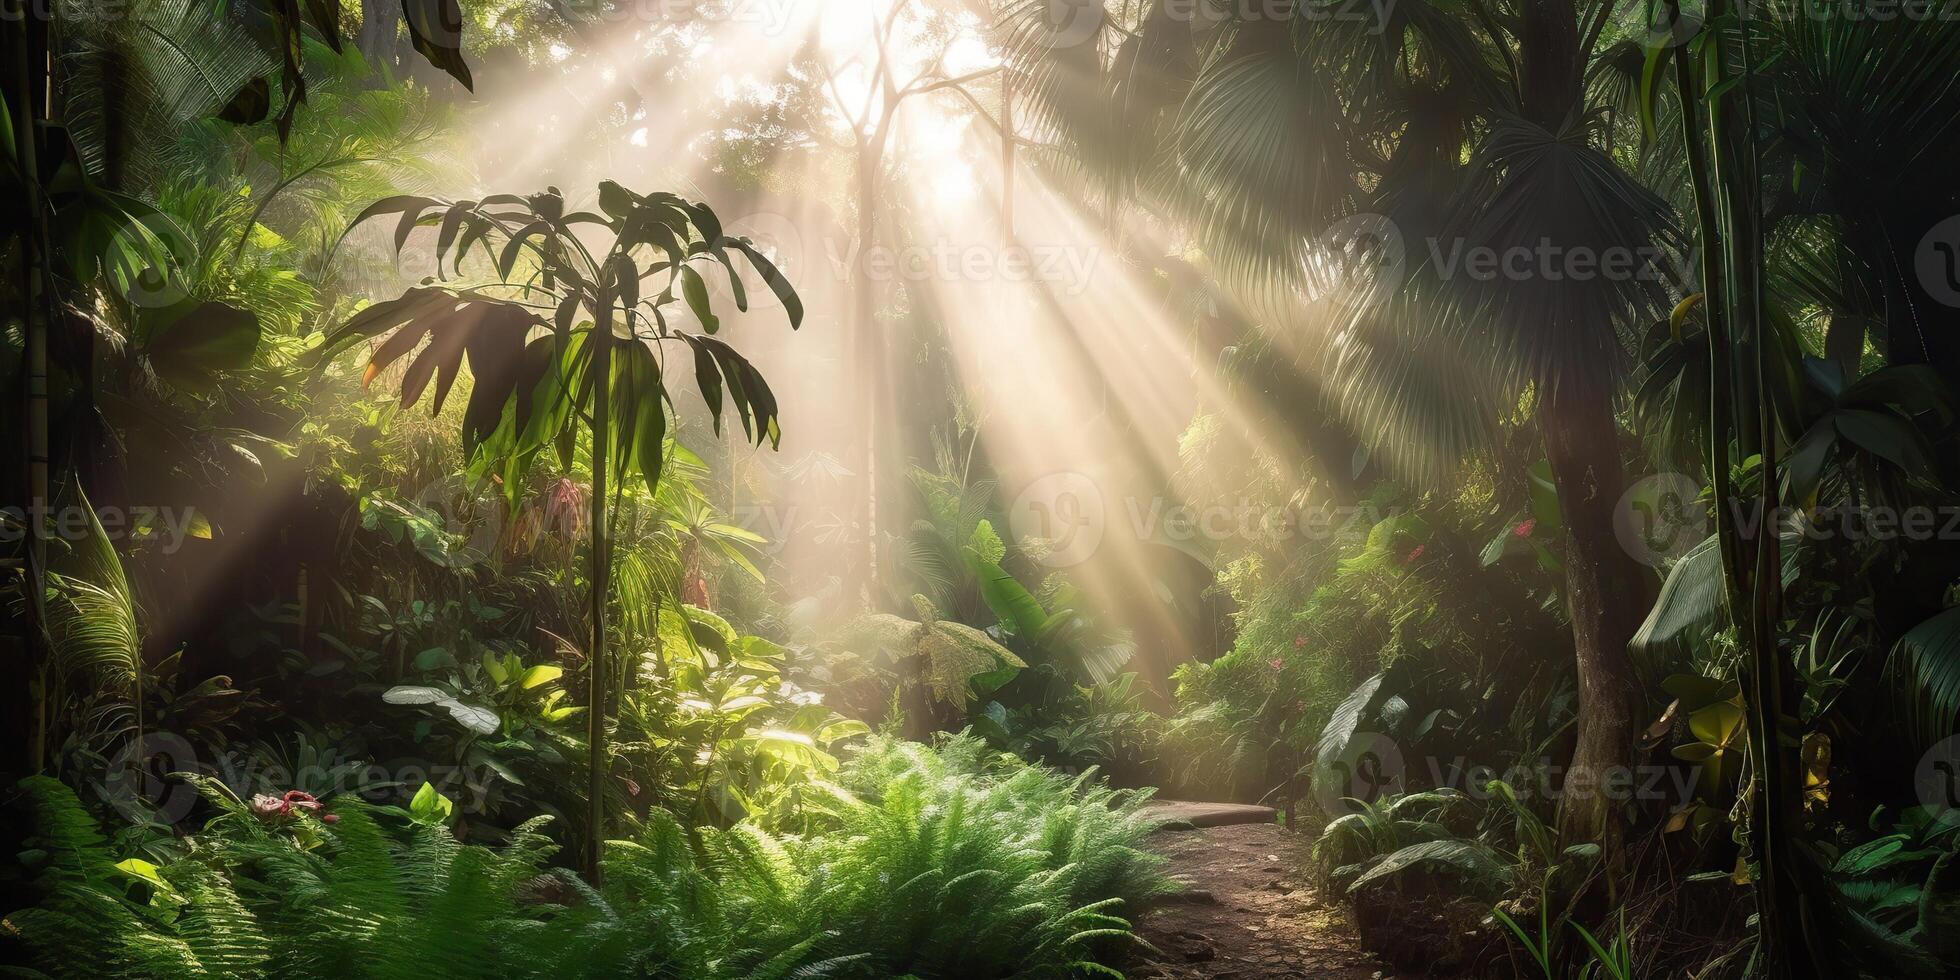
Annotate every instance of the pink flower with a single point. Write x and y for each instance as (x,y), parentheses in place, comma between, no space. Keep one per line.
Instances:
(1299,640)
(297,800)
(1276,664)
(293,803)
(1524,529)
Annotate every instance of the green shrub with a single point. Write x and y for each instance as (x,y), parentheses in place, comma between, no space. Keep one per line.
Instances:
(946,862)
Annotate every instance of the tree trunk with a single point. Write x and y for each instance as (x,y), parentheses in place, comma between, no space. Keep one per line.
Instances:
(1548,43)
(868,350)
(694,581)
(1604,587)
(380,25)
(27,46)
(595,706)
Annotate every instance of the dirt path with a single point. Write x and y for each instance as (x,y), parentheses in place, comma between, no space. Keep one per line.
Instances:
(1249,911)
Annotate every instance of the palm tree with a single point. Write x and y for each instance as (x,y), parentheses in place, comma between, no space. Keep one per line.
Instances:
(1288,130)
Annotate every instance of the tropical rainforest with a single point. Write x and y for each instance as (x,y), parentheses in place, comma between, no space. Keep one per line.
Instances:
(980,488)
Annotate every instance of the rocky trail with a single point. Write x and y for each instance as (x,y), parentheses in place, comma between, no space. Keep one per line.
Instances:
(1249,910)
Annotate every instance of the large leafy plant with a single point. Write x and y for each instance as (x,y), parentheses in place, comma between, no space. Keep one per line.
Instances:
(569,341)
(716,732)
(499,721)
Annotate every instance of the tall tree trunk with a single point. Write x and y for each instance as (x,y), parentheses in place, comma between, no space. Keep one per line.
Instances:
(1603,587)
(868,342)
(598,762)
(868,356)
(380,26)
(1549,69)
(1603,584)
(30,106)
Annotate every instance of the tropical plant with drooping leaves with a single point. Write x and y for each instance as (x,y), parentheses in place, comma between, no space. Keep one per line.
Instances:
(568,344)
(949,659)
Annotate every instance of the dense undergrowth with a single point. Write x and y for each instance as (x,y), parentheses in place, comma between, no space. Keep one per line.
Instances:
(934,862)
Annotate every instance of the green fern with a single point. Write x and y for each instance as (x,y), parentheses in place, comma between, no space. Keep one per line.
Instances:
(939,862)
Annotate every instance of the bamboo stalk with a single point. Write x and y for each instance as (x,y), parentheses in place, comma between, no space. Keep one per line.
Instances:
(1782,933)
(1715,312)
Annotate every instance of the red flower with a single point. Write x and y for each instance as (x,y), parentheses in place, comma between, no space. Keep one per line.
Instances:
(297,800)
(1417,553)
(1525,529)
(293,803)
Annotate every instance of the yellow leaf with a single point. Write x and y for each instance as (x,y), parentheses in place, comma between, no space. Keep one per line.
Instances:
(1681,311)
(541,674)
(1816,769)
(1717,723)
(141,869)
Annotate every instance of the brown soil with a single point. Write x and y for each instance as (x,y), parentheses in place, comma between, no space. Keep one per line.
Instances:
(1248,912)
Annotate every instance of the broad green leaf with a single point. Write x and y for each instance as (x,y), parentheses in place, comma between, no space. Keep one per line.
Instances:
(695,290)
(541,675)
